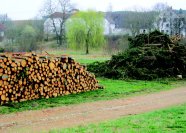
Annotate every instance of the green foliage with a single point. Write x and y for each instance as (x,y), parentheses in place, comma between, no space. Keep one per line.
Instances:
(85,30)
(23,35)
(13,32)
(171,120)
(39,29)
(145,61)
(2,50)
(151,38)
(28,39)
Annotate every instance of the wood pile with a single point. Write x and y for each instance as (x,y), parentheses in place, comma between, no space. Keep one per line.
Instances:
(31,77)
(149,56)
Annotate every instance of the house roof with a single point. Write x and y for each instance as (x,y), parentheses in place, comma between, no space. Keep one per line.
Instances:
(124,19)
(61,15)
(56,15)
(25,22)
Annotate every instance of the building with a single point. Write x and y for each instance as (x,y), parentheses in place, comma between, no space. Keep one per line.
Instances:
(129,22)
(172,22)
(109,27)
(52,23)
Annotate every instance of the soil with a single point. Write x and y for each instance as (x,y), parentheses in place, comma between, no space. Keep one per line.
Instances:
(82,114)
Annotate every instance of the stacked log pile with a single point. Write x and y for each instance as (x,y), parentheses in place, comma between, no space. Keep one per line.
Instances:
(31,77)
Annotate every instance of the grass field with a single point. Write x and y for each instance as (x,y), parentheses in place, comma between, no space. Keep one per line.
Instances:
(113,89)
(171,120)
(82,58)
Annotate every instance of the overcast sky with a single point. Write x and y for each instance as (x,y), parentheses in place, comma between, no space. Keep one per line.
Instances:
(27,9)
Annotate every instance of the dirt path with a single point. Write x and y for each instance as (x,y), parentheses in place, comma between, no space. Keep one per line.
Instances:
(68,116)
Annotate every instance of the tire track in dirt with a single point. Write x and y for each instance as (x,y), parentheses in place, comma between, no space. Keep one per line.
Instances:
(73,115)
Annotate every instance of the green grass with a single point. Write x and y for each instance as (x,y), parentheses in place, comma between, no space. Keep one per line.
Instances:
(113,89)
(171,120)
(82,58)
(88,61)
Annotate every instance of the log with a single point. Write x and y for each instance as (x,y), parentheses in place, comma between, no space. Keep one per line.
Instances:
(3,97)
(51,65)
(27,77)
(23,63)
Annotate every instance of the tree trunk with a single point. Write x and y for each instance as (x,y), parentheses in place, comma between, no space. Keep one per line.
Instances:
(87,42)
(57,39)
(87,48)
(47,37)
(60,40)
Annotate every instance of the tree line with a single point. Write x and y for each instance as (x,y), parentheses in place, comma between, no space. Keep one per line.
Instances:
(78,30)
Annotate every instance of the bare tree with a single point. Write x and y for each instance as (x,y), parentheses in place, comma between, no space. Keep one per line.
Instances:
(3,18)
(137,21)
(108,16)
(178,23)
(57,13)
(160,7)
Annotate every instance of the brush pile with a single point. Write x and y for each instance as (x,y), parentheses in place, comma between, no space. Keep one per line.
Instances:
(150,56)
(29,77)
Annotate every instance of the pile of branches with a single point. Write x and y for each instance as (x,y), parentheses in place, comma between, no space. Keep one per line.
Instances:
(150,56)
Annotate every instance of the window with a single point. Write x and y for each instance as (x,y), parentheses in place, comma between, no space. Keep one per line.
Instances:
(167,25)
(167,31)
(175,19)
(162,31)
(164,19)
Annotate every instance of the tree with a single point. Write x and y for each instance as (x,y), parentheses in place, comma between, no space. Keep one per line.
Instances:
(57,11)
(11,33)
(178,23)
(37,24)
(27,39)
(3,18)
(85,30)
(140,20)
(23,35)
(160,7)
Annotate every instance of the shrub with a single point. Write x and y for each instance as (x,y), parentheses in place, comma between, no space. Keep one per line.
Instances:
(2,50)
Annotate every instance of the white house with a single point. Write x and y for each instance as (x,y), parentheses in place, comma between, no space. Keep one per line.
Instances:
(171,22)
(125,22)
(53,19)
(108,27)
(56,19)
